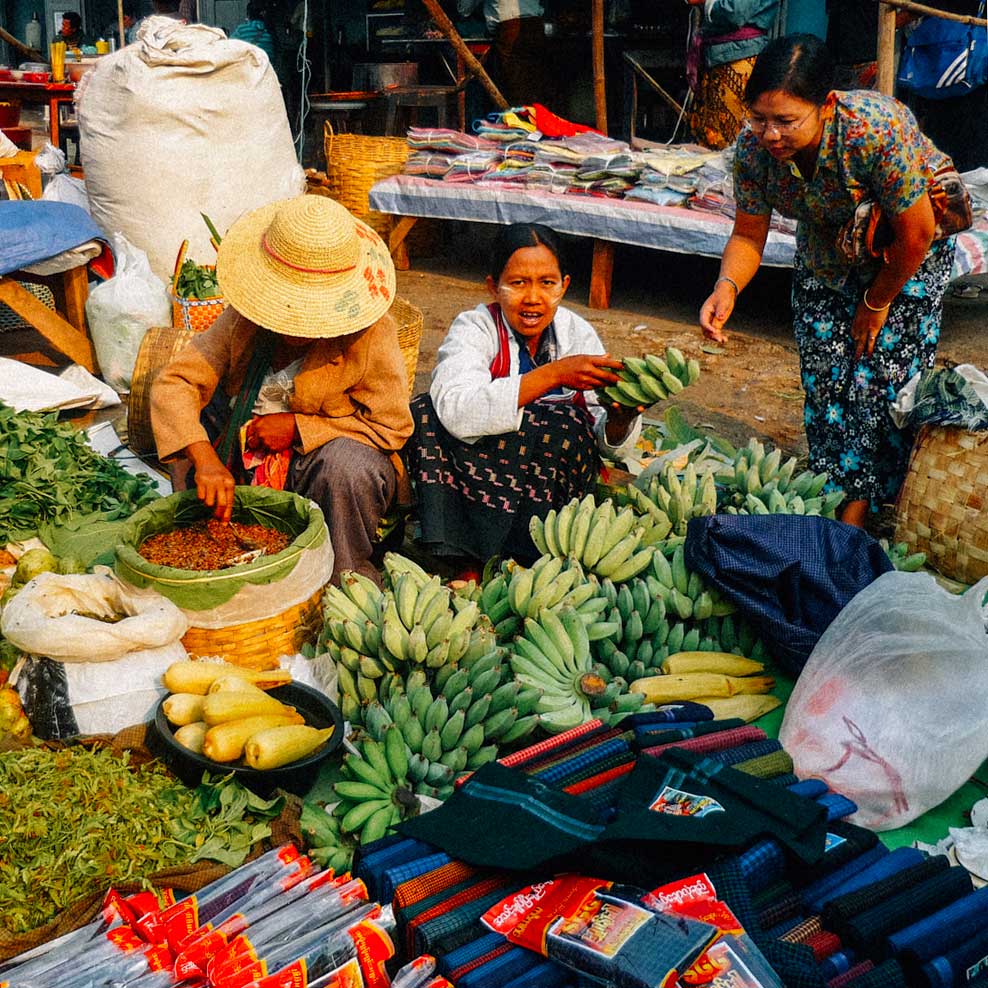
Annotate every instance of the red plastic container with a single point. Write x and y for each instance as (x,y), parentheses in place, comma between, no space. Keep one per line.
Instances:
(37,76)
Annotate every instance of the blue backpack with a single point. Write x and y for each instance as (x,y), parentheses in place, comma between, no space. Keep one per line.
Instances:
(942,59)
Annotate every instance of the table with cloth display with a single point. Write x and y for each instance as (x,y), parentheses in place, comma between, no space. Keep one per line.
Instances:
(607,221)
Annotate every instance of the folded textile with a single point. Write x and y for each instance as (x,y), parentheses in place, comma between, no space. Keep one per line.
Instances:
(762,863)
(822,890)
(658,197)
(746,752)
(845,841)
(510,962)
(810,788)
(418,880)
(868,932)
(787,780)
(686,712)
(841,963)
(33,231)
(838,911)
(573,748)
(546,975)
(458,962)
(559,741)
(444,140)
(785,907)
(419,928)
(651,735)
(837,806)
(428,164)
(841,980)
(948,928)
(879,865)
(767,766)
(886,975)
(802,931)
(711,740)
(964,963)
(823,944)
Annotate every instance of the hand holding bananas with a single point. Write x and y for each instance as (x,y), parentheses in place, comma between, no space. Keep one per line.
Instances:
(643,381)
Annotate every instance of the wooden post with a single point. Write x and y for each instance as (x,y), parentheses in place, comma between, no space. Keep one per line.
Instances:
(922,10)
(599,88)
(120,24)
(601,273)
(31,53)
(469,59)
(885,82)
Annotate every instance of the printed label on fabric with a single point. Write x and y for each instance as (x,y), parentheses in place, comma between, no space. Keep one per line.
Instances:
(347,976)
(669,898)
(603,926)
(832,841)
(374,949)
(676,802)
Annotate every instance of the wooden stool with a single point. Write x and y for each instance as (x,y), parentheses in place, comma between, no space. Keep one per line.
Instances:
(439,98)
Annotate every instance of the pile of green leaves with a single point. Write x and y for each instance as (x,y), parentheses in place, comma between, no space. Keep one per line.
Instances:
(47,471)
(196,281)
(78,820)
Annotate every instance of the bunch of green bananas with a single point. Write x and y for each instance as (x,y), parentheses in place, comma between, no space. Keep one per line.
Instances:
(646,380)
(603,540)
(457,722)
(553,655)
(375,794)
(670,501)
(684,591)
(327,845)
(759,482)
(901,558)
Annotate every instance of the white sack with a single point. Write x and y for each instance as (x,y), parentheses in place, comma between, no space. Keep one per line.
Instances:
(183,122)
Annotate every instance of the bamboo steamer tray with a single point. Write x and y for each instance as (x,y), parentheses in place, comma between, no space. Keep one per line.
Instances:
(942,508)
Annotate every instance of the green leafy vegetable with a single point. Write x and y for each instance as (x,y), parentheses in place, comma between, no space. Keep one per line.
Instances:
(196,281)
(47,471)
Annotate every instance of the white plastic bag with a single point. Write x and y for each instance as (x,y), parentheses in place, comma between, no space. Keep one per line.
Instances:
(64,188)
(89,618)
(890,707)
(122,310)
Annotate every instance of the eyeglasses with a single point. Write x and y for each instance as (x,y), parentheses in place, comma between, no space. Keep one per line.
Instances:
(759,126)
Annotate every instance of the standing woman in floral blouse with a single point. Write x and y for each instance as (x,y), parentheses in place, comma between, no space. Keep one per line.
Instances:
(863,329)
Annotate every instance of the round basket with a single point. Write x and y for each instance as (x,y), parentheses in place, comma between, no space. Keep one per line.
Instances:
(196,314)
(259,644)
(159,345)
(409,320)
(941,508)
(354,162)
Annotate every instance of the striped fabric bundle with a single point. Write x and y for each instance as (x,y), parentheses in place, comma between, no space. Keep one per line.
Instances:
(872,866)
(519,759)
(650,734)
(842,980)
(425,878)
(823,944)
(711,741)
(803,930)
(444,141)
(428,164)
(944,930)
(767,766)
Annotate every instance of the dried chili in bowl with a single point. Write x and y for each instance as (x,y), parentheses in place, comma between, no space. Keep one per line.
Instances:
(211,544)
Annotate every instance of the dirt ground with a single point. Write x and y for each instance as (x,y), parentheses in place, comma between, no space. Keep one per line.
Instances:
(752,388)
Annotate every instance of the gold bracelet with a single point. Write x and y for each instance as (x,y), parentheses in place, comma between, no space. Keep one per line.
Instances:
(872,308)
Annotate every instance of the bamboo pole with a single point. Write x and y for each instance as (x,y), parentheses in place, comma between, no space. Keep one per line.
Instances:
(885,81)
(599,86)
(32,53)
(469,59)
(921,9)
(120,24)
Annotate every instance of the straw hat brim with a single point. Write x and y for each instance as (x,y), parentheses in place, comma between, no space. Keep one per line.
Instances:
(298,303)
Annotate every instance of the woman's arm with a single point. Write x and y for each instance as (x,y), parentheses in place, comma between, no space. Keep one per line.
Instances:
(579,372)
(912,233)
(742,257)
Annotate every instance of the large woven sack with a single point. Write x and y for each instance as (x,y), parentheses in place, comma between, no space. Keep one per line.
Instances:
(943,505)
(183,122)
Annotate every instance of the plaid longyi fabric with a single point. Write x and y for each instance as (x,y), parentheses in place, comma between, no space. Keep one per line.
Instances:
(430,881)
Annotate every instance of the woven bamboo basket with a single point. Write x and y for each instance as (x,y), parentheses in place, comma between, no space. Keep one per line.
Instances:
(259,644)
(159,345)
(196,314)
(409,319)
(354,162)
(942,508)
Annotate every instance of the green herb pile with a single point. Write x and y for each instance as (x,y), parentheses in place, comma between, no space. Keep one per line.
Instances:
(47,471)
(77,821)
(196,281)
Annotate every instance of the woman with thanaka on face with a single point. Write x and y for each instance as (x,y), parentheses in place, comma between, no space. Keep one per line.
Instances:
(511,426)
(862,329)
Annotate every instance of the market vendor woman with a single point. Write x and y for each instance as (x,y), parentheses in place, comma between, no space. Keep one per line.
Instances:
(301,377)
(863,328)
(511,427)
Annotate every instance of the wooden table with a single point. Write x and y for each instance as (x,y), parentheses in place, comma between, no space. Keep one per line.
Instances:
(50,94)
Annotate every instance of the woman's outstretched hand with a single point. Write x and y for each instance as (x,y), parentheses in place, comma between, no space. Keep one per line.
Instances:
(715,312)
(584,371)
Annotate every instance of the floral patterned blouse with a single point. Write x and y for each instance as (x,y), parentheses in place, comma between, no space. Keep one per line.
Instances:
(871,147)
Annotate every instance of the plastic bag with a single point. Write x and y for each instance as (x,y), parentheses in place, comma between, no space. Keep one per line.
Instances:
(64,188)
(889,709)
(122,310)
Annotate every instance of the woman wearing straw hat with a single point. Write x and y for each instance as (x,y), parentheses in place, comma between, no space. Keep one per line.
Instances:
(303,365)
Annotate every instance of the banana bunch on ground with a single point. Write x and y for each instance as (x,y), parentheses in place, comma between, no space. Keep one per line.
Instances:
(669,501)
(517,592)
(457,722)
(731,685)
(553,655)
(646,380)
(901,558)
(375,794)
(647,633)
(759,483)
(373,634)
(603,540)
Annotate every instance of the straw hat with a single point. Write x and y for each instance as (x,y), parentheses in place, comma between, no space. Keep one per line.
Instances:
(306,267)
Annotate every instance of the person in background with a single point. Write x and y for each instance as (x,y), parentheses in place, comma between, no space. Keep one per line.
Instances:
(958,125)
(130,21)
(518,30)
(71,32)
(852,38)
(254,30)
(511,426)
(721,55)
(301,378)
(862,329)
